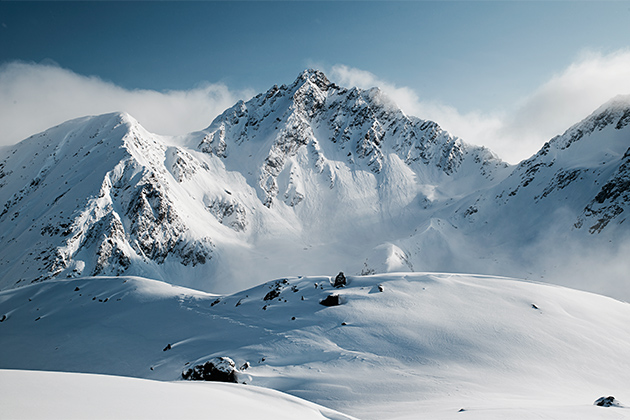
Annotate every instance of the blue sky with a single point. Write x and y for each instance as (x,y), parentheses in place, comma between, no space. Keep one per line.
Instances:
(474,62)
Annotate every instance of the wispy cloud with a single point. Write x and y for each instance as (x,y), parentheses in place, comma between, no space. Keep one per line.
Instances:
(34,97)
(565,99)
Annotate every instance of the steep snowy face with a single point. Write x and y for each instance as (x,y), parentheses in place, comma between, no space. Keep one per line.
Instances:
(583,173)
(90,197)
(613,173)
(559,216)
(296,141)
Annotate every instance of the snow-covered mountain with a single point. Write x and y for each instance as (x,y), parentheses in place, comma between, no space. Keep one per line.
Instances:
(561,214)
(297,184)
(91,197)
(305,179)
(584,171)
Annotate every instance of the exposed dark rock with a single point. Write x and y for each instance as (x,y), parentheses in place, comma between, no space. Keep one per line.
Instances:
(229,212)
(381,288)
(606,402)
(331,300)
(272,294)
(340,280)
(168,347)
(218,369)
(277,287)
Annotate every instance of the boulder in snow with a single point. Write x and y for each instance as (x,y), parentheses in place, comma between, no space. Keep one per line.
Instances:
(331,300)
(340,280)
(607,402)
(218,369)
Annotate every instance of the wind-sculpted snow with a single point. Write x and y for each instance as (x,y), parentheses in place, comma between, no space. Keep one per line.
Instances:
(396,346)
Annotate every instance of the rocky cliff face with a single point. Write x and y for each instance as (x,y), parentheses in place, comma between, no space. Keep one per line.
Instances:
(99,204)
(315,125)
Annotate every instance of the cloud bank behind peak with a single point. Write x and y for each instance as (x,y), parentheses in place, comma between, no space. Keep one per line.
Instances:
(518,130)
(34,97)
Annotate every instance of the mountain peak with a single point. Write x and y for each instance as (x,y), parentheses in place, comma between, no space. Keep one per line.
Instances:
(317,77)
(614,114)
(619,102)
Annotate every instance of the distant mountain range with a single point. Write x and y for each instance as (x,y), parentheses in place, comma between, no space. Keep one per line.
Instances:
(307,179)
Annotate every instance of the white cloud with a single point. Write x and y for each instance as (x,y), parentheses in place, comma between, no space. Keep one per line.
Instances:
(518,133)
(567,98)
(34,97)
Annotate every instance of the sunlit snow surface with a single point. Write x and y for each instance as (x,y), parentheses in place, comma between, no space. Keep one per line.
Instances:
(425,346)
(55,395)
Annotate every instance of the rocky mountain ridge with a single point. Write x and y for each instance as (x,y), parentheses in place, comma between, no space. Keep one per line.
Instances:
(299,179)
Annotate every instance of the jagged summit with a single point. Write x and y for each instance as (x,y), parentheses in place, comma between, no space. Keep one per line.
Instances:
(317,77)
(316,122)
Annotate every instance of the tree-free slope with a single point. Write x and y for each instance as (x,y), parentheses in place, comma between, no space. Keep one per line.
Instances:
(54,395)
(431,343)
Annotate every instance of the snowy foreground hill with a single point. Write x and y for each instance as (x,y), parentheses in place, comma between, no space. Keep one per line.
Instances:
(398,345)
(45,395)
(309,178)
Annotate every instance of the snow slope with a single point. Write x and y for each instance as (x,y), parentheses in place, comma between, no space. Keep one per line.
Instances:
(53,395)
(428,343)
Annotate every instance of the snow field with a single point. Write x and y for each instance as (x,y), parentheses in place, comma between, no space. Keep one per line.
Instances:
(56,395)
(427,344)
